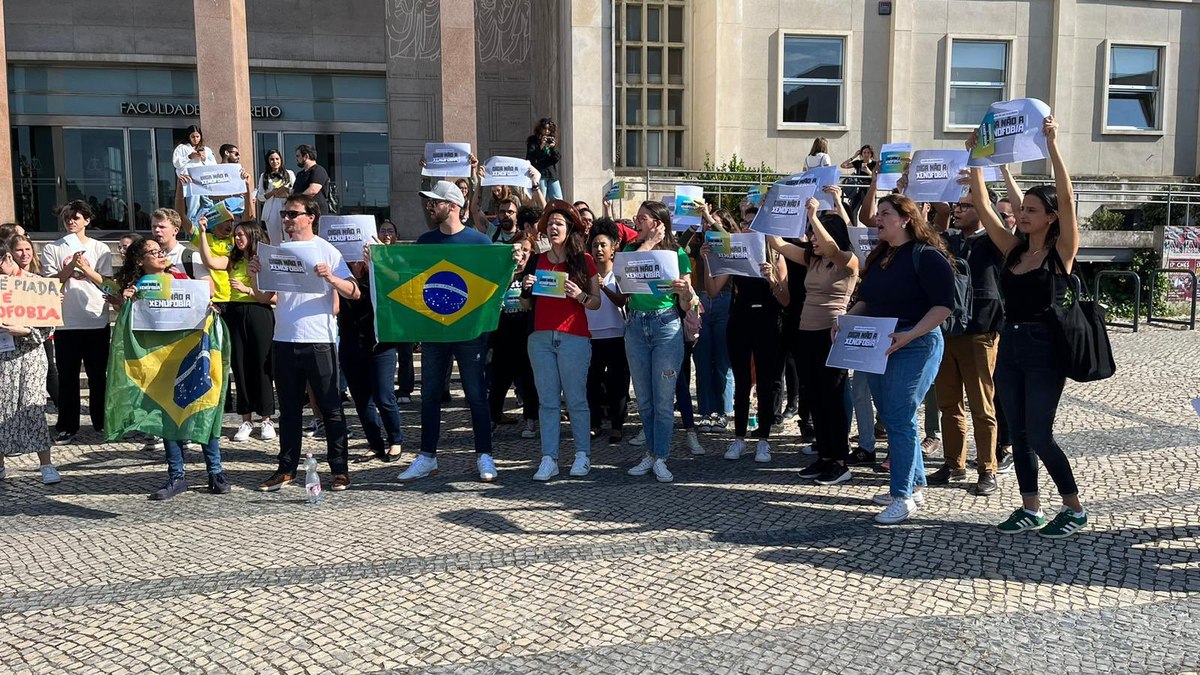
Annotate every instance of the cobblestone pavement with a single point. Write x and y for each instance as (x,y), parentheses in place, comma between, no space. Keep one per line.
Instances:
(734,568)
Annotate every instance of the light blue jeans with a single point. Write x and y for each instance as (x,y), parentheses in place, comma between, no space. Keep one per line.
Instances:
(560,364)
(714,375)
(654,348)
(212,457)
(898,393)
(552,190)
(864,413)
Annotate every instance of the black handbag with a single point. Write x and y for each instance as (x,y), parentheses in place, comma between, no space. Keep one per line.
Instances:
(1081,345)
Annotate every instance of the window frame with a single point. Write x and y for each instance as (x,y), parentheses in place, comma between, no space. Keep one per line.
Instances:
(844,110)
(1009,42)
(622,87)
(1160,91)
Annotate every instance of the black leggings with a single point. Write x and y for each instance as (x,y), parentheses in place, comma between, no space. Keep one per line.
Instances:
(510,365)
(757,334)
(51,373)
(825,389)
(608,382)
(251,327)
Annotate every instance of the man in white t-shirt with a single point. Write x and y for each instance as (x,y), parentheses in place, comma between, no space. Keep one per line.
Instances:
(304,351)
(164,228)
(80,265)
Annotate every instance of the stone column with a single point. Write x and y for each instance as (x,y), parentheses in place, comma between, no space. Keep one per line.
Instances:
(585,111)
(8,211)
(1062,69)
(458,73)
(899,87)
(223,76)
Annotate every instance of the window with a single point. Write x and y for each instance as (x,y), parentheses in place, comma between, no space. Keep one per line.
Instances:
(650,83)
(1133,100)
(978,78)
(812,87)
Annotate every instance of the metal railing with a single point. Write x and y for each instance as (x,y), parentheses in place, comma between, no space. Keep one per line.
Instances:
(1137,295)
(1190,322)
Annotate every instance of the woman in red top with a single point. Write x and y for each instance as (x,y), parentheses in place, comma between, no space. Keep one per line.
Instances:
(563,283)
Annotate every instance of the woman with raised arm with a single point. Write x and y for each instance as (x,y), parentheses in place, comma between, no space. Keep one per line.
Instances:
(1039,259)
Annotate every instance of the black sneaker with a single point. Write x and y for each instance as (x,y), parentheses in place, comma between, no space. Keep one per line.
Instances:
(218,485)
(945,475)
(815,469)
(174,486)
(986,485)
(834,473)
(1004,462)
(63,437)
(860,457)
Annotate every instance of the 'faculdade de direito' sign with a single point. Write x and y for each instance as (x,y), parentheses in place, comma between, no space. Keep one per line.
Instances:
(269,112)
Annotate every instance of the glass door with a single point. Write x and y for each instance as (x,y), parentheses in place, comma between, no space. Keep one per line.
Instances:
(143,179)
(94,171)
(35,177)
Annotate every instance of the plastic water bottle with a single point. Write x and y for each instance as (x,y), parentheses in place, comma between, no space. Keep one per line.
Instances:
(312,482)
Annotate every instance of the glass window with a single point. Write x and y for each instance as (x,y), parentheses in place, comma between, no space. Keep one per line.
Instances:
(812,80)
(654,103)
(94,171)
(675,148)
(1133,87)
(633,23)
(633,155)
(633,65)
(649,64)
(978,78)
(654,148)
(675,66)
(633,106)
(675,107)
(654,65)
(653,24)
(675,24)
(142,179)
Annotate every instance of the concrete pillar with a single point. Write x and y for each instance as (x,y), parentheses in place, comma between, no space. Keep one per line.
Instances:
(899,88)
(1062,68)
(585,117)
(8,210)
(715,55)
(458,73)
(223,76)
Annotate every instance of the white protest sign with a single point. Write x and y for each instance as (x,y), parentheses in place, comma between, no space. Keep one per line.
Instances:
(501,170)
(73,244)
(933,175)
(1010,132)
(348,234)
(290,267)
(215,180)
(447,160)
(166,303)
(863,240)
(783,211)
(818,177)
(862,343)
(686,206)
(892,158)
(640,271)
(741,255)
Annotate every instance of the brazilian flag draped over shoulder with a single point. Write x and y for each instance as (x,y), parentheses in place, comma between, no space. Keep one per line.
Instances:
(438,292)
(170,384)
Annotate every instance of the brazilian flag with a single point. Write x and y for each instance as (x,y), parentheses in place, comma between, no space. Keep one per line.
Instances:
(438,292)
(170,384)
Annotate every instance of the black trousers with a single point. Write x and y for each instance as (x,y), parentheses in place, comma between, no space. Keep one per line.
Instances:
(51,373)
(87,348)
(825,389)
(510,365)
(791,372)
(313,364)
(757,335)
(608,382)
(406,372)
(251,326)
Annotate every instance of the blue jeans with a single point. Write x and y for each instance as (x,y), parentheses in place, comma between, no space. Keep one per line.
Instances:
(898,393)
(864,413)
(436,359)
(552,190)
(714,376)
(370,375)
(212,457)
(654,349)
(560,364)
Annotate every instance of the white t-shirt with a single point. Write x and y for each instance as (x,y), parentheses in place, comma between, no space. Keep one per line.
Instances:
(609,320)
(187,260)
(84,306)
(308,317)
(819,159)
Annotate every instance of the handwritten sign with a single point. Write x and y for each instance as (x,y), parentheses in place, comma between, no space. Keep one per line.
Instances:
(783,211)
(447,160)
(647,272)
(348,234)
(501,170)
(290,267)
(215,180)
(165,303)
(1010,132)
(30,301)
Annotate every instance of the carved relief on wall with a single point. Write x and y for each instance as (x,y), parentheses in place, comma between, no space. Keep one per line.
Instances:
(414,29)
(502,31)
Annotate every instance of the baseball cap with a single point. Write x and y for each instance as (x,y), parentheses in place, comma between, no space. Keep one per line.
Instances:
(445,191)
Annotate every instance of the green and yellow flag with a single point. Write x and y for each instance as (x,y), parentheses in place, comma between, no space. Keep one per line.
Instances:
(167,383)
(438,292)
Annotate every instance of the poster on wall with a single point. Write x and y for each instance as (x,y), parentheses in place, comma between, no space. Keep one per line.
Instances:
(1181,250)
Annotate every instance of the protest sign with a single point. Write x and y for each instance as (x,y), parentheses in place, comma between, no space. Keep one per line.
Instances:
(447,160)
(743,257)
(73,243)
(349,234)
(862,343)
(688,201)
(1010,132)
(166,303)
(783,211)
(818,177)
(215,180)
(501,170)
(220,211)
(290,267)
(30,301)
(756,193)
(933,175)
(646,271)
(892,157)
(549,283)
(863,240)
(718,241)
(615,191)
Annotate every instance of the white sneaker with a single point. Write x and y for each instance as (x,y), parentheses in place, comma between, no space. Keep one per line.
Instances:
(547,469)
(267,433)
(582,465)
(762,452)
(736,449)
(243,432)
(640,439)
(487,468)
(809,450)
(693,442)
(529,431)
(660,471)
(422,466)
(885,498)
(643,467)
(50,475)
(896,512)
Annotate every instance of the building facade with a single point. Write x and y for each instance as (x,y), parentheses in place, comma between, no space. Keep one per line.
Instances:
(99,93)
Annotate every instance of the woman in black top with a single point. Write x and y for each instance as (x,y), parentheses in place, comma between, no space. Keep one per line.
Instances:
(541,150)
(1039,258)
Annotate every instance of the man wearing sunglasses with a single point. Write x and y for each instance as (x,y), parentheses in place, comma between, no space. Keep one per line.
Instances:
(304,350)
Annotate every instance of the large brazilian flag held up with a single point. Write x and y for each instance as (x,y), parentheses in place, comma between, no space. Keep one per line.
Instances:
(170,384)
(438,292)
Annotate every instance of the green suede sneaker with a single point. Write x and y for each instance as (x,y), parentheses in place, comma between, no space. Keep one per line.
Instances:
(1020,521)
(1065,524)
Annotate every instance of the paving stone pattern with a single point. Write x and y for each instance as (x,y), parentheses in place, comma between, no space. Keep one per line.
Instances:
(737,567)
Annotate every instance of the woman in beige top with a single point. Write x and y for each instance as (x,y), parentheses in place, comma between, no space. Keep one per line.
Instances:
(832,271)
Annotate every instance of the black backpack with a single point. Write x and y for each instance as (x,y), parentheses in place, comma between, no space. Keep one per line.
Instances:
(964,294)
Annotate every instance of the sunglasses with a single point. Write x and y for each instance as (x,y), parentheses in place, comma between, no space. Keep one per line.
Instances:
(292,215)
(963,206)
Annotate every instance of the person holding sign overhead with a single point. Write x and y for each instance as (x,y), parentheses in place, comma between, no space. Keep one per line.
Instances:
(563,284)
